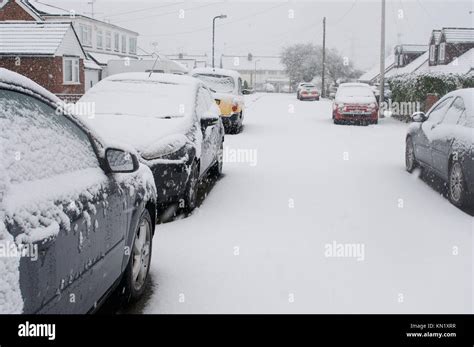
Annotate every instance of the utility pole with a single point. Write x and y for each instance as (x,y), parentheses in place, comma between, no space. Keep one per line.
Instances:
(92,8)
(323,88)
(382,61)
(222,16)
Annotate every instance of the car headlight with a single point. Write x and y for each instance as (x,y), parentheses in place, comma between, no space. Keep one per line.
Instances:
(172,147)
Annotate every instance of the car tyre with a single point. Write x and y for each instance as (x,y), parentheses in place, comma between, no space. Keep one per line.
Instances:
(458,194)
(135,277)
(410,160)
(216,170)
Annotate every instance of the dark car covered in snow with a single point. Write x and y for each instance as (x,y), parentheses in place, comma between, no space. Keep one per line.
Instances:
(173,123)
(76,217)
(442,140)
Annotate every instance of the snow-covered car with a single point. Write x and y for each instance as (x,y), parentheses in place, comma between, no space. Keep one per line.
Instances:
(269,88)
(355,103)
(69,207)
(443,142)
(308,91)
(227,88)
(173,123)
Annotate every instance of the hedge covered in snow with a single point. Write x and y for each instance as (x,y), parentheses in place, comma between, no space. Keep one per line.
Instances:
(415,87)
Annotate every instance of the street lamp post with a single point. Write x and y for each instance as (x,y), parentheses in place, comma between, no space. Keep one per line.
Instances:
(222,16)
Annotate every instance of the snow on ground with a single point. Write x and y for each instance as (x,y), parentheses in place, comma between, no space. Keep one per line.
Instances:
(261,241)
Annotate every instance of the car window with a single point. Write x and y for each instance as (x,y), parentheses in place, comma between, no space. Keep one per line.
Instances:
(203,101)
(218,83)
(454,112)
(436,115)
(37,142)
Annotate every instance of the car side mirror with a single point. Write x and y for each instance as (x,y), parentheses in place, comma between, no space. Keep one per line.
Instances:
(120,161)
(419,117)
(209,120)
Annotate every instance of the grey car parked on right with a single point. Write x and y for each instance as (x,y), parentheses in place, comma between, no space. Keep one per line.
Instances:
(442,141)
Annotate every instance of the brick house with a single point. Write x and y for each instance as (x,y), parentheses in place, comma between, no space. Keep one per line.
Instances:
(100,42)
(49,53)
(406,53)
(449,43)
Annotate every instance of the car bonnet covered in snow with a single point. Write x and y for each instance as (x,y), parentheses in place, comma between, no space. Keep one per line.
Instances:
(142,110)
(355,93)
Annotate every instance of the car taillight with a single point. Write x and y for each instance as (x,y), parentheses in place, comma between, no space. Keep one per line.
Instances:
(234,107)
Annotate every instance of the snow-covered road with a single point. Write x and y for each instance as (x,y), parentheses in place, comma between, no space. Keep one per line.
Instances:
(261,241)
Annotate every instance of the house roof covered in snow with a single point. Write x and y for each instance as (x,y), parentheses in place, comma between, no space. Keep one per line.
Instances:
(44,9)
(458,35)
(104,58)
(91,65)
(33,38)
(411,67)
(374,72)
(460,65)
(411,48)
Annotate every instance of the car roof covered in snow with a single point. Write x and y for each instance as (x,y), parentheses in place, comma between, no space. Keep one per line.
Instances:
(156,77)
(468,96)
(209,70)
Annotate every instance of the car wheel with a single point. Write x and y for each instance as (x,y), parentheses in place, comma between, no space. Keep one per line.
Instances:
(457,185)
(136,274)
(410,160)
(190,199)
(216,170)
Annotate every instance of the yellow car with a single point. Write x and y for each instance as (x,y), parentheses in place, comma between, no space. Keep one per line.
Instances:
(227,88)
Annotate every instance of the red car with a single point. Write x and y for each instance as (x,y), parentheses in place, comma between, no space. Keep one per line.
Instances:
(355,103)
(307,91)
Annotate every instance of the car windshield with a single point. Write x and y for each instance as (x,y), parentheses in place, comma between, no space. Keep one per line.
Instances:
(354,91)
(141,99)
(218,83)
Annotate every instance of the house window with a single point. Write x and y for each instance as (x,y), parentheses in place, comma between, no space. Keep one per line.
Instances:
(71,70)
(108,40)
(116,42)
(432,53)
(86,34)
(124,44)
(442,51)
(132,45)
(100,38)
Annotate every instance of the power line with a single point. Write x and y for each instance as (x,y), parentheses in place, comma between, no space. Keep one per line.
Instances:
(161,14)
(221,24)
(345,14)
(116,14)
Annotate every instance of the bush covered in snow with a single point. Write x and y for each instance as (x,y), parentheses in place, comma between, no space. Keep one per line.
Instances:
(416,87)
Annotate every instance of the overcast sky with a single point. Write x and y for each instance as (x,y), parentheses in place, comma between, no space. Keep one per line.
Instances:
(264,27)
